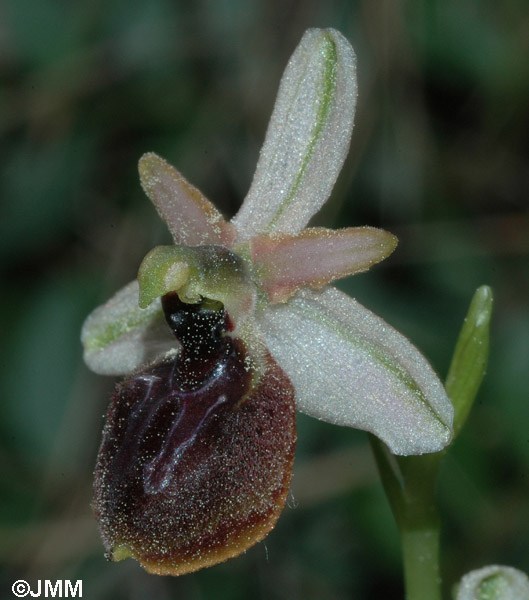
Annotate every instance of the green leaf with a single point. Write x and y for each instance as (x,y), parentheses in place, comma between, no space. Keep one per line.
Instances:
(470,356)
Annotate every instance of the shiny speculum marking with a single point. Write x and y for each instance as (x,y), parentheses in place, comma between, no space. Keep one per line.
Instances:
(196,457)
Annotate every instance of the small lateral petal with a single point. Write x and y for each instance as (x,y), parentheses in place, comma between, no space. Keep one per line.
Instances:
(191,218)
(351,368)
(307,139)
(315,257)
(119,336)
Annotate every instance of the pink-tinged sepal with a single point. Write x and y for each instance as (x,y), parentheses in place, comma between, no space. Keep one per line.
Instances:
(197,451)
(316,256)
(191,218)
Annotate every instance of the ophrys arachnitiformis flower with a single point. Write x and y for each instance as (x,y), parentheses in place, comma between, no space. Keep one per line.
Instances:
(234,326)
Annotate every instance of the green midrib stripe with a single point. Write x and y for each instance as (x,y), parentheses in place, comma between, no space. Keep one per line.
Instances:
(328,94)
(113,331)
(371,350)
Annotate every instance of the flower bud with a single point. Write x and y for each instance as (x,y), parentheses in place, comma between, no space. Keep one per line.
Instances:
(494,582)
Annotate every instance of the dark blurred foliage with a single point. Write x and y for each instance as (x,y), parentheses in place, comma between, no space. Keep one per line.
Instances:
(439,156)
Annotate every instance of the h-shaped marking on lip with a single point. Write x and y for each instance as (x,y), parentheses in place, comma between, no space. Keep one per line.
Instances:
(159,470)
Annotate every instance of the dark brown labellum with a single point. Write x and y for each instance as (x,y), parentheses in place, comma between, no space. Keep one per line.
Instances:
(196,458)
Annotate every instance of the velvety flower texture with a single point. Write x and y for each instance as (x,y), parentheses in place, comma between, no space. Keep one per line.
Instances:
(234,326)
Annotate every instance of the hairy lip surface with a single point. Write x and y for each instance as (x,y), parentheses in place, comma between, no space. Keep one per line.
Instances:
(189,476)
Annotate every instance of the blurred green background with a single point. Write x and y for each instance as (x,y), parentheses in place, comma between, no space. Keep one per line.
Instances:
(440,156)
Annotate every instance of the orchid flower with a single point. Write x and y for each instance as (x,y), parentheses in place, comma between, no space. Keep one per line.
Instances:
(228,331)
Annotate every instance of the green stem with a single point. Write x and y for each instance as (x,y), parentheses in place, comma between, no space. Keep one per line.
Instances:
(420,549)
(419,525)
(409,483)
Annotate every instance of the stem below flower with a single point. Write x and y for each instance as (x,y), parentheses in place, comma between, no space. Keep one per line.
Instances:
(421,563)
(409,483)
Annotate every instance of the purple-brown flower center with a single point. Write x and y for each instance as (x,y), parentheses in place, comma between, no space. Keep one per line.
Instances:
(196,456)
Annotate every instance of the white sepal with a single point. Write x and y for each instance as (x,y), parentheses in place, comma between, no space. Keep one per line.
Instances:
(119,336)
(349,367)
(307,139)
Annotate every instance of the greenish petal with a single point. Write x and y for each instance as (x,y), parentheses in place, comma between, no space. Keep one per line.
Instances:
(197,273)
